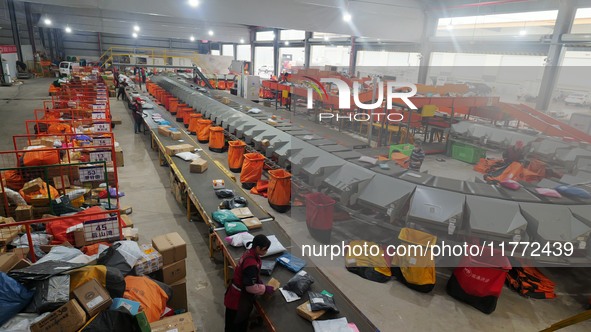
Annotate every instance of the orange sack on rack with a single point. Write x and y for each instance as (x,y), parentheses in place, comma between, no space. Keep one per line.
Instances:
(194,123)
(279,190)
(59,128)
(14,179)
(43,192)
(145,291)
(41,157)
(252,169)
(236,155)
(203,126)
(187,117)
(217,141)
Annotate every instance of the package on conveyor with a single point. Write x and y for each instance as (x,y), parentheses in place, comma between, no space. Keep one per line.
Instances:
(171,150)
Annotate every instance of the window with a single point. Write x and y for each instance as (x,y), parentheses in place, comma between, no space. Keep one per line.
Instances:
(330,55)
(228,50)
(265,36)
(290,58)
(243,53)
(328,36)
(582,22)
(513,24)
(292,34)
(263,61)
(215,52)
(402,65)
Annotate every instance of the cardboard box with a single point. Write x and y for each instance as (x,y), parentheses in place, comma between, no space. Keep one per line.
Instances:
(23,212)
(126,221)
(126,210)
(177,323)
(119,157)
(57,182)
(69,317)
(150,261)
(93,297)
(176,135)
(305,311)
(132,306)
(7,234)
(172,273)
(242,212)
(33,186)
(39,201)
(252,223)
(7,261)
(179,295)
(163,130)
(171,150)
(198,166)
(40,211)
(172,247)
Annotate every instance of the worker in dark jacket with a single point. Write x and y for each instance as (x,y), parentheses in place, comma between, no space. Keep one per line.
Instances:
(121,90)
(246,285)
(417,156)
(514,153)
(138,115)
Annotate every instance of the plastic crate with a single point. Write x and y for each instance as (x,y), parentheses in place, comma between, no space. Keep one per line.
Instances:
(467,153)
(405,149)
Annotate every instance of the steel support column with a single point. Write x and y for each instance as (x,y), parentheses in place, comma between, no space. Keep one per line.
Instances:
(276,52)
(14,25)
(307,49)
(50,44)
(429,29)
(30,27)
(353,57)
(564,21)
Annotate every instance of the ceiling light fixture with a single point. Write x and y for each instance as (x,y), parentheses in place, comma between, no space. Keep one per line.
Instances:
(194,3)
(286,43)
(326,38)
(134,35)
(136,28)
(47,21)
(347,17)
(192,38)
(68,30)
(522,33)
(241,40)
(210,32)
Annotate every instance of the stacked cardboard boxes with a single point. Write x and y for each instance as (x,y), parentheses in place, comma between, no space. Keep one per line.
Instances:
(174,270)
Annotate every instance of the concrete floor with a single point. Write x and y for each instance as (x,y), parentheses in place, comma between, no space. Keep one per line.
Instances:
(390,306)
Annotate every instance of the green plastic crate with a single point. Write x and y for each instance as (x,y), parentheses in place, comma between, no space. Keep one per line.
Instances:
(405,149)
(467,153)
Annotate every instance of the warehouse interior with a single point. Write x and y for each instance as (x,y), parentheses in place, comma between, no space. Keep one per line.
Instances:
(406,127)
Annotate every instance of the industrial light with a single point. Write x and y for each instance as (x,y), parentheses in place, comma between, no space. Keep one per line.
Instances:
(136,28)
(47,21)
(68,30)
(192,38)
(347,17)
(241,40)
(286,43)
(522,33)
(134,35)
(210,32)
(326,38)
(194,3)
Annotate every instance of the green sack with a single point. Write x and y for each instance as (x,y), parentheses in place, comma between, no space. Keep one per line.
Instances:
(224,216)
(235,228)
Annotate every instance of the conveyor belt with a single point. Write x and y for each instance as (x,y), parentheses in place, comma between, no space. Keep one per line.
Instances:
(200,184)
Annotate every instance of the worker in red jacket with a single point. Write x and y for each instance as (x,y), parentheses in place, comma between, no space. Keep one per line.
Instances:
(246,285)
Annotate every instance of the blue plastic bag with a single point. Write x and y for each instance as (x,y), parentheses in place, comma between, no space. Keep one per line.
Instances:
(291,262)
(13,297)
(573,192)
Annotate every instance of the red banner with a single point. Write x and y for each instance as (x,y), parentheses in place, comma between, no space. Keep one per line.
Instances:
(7,49)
